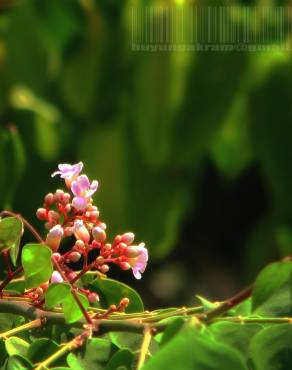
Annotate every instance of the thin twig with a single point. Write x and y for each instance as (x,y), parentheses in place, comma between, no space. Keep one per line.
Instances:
(145,346)
(37,323)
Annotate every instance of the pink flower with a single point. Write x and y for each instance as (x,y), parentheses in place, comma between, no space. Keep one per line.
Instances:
(139,261)
(56,277)
(83,190)
(80,231)
(69,172)
(54,237)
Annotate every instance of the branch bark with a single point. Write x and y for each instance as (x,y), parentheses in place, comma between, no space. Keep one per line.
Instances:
(30,312)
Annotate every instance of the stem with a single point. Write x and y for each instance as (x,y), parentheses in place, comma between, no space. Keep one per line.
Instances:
(74,293)
(25,222)
(70,346)
(227,305)
(255,320)
(30,312)
(145,345)
(37,323)
(10,277)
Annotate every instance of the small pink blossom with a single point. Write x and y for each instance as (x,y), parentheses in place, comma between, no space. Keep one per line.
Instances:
(56,277)
(69,172)
(54,237)
(83,190)
(80,231)
(138,263)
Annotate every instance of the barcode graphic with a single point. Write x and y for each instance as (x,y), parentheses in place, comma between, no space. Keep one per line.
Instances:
(211,28)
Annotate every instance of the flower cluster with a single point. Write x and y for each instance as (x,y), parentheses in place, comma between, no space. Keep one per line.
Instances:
(72,213)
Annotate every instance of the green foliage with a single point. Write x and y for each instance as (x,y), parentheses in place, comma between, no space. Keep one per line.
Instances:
(11,230)
(16,346)
(37,265)
(94,356)
(112,291)
(56,294)
(61,294)
(270,280)
(122,359)
(193,348)
(72,311)
(272,348)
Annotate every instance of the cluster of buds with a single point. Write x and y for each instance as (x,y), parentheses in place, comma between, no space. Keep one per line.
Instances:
(72,213)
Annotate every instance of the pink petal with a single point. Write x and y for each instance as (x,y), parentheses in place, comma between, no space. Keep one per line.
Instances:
(79,203)
(76,190)
(136,273)
(83,182)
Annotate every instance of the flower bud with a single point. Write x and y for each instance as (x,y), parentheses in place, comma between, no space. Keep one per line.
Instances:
(49,199)
(107,247)
(71,275)
(98,234)
(74,256)
(48,225)
(39,291)
(128,238)
(124,302)
(56,257)
(104,269)
(94,215)
(100,260)
(92,297)
(125,265)
(56,277)
(80,231)
(132,251)
(58,195)
(54,215)
(79,245)
(54,237)
(118,239)
(41,214)
(66,198)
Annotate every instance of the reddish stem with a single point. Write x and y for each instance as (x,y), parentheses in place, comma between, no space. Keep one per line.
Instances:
(73,291)
(6,281)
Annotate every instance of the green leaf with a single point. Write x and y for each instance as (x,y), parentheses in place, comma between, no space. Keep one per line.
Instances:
(11,230)
(235,335)
(3,352)
(16,346)
(121,360)
(271,348)
(112,291)
(9,320)
(56,293)
(131,341)
(269,281)
(40,349)
(195,349)
(37,265)
(94,356)
(172,330)
(72,311)
(17,362)
(16,286)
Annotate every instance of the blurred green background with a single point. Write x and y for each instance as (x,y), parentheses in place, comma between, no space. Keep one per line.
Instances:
(192,149)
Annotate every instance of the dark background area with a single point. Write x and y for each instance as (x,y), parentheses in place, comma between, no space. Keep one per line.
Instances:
(192,150)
